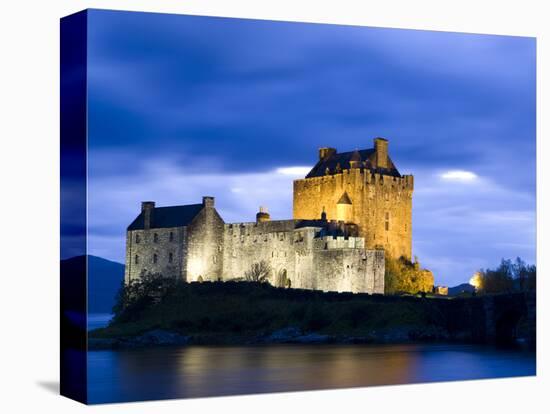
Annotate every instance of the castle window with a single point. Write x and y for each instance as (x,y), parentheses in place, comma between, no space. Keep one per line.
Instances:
(155,238)
(170,257)
(171,236)
(387,224)
(155,258)
(136,259)
(138,239)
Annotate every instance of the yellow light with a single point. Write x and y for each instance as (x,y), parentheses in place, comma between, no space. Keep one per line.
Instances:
(475,280)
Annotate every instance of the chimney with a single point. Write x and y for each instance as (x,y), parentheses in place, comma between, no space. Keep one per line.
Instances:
(326,152)
(208,201)
(147,208)
(262,215)
(381,150)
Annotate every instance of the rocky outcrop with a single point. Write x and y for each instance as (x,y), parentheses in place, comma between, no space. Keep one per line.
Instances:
(155,337)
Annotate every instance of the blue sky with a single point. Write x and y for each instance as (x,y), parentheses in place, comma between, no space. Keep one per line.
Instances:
(184,106)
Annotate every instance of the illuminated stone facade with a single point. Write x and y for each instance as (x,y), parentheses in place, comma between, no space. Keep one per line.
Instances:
(192,243)
(364,188)
(349,211)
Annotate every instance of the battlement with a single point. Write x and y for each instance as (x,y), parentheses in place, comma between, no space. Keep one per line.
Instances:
(262,226)
(362,175)
(338,242)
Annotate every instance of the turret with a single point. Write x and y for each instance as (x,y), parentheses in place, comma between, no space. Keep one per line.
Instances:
(343,208)
(355,160)
(262,215)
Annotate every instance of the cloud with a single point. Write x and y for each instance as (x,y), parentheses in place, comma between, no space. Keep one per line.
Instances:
(115,201)
(294,171)
(459,175)
(458,229)
(238,114)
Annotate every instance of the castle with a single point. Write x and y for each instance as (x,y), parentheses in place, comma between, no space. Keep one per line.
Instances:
(351,210)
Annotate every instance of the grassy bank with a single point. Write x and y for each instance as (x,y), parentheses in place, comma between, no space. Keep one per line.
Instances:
(235,312)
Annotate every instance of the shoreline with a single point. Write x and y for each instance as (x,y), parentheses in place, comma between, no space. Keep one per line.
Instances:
(290,336)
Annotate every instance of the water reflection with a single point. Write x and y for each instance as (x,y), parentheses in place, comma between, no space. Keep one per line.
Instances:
(209,371)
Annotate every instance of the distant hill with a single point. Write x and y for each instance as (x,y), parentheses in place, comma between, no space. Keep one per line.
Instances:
(104,279)
(457,290)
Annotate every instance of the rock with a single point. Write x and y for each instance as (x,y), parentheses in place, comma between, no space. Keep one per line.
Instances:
(295,335)
(160,337)
(151,338)
(283,335)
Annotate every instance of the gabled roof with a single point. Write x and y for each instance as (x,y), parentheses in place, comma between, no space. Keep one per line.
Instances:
(343,161)
(164,217)
(344,199)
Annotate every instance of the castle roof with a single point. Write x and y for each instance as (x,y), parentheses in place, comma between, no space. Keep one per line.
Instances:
(343,160)
(344,199)
(164,217)
(355,156)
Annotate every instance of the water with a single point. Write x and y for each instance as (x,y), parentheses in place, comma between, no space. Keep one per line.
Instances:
(98,320)
(203,371)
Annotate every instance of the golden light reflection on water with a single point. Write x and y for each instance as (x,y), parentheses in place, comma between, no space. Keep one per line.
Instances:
(200,371)
(283,368)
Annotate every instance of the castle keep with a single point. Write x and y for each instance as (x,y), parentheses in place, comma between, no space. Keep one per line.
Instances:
(361,187)
(349,211)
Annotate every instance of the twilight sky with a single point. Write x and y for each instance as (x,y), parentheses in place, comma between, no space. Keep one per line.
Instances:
(183,106)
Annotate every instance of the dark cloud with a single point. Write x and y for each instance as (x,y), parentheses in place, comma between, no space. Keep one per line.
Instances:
(242,98)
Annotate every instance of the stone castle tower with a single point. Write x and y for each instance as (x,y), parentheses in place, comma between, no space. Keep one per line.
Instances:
(362,187)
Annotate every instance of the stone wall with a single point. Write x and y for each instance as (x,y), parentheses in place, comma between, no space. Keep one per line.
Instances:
(329,263)
(249,243)
(209,250)
(204,246)
(155,251)
(349,270)
(381,206)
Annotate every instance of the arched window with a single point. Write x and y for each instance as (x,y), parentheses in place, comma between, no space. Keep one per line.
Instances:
(138,239)
(170,257)
(171,236)
(136,259)
(387,224)
(155,237)
(155,258)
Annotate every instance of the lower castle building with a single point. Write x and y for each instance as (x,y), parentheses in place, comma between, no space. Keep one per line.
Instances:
(349,211)
(192,243)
